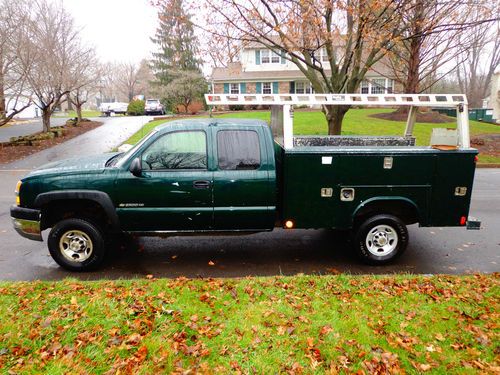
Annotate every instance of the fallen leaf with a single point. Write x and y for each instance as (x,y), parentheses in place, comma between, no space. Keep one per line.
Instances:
(74,301)
(149,277)
(439,337)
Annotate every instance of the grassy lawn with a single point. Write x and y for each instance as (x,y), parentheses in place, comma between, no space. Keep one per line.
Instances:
(72,114)
(356,122)
(301,324)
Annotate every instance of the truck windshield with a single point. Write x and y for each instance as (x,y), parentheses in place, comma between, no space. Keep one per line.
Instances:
(126,155)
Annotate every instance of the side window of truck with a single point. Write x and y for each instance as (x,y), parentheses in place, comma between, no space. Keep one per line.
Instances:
(238,149)
(177,150)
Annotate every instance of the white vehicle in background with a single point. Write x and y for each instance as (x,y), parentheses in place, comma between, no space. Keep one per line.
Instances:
(154,107)
(117,108)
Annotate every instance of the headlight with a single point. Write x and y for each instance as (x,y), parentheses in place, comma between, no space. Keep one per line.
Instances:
(18,189)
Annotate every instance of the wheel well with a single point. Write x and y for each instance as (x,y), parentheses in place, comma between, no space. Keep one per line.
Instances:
(57,210)
(406,211)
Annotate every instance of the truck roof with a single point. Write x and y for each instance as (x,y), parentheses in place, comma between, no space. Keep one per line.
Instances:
(226,122)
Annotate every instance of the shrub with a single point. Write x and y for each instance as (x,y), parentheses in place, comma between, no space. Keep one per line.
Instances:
(136,108)
(236,107)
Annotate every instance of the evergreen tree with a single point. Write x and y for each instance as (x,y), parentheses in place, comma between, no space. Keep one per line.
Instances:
(177,44)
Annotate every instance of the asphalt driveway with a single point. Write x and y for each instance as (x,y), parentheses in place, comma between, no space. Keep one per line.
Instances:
(431,250)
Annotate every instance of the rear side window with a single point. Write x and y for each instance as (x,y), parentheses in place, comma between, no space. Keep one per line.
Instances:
(238,149)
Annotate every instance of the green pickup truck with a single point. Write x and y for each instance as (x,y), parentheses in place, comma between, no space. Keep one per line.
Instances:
(231,176)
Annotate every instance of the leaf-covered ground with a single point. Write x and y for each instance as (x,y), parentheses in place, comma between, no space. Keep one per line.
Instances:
(300,324)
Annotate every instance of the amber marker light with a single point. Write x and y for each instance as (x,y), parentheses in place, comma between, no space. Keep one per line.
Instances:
(289,224)
(18,188)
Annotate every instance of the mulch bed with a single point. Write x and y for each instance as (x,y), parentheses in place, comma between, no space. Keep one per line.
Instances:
(9,153)
(487,144)
(430,117)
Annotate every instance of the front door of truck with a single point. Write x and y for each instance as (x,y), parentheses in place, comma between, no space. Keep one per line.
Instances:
(174,191)
(244,180)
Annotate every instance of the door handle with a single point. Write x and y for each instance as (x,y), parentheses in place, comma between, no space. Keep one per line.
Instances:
(202,184)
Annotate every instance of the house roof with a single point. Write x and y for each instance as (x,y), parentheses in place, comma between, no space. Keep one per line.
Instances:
(234,72)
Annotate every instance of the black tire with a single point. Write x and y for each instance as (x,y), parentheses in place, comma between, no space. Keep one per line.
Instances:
(380,239)
(87,239)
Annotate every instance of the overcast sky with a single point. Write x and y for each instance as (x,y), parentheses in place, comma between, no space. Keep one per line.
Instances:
(119,29)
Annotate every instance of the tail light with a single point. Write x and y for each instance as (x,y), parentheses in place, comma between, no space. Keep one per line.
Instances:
(463,220)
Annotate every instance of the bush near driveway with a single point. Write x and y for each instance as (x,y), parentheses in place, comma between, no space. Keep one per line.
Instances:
(300,324)
(136,108)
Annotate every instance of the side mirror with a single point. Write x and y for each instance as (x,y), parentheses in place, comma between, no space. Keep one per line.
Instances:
(135,167)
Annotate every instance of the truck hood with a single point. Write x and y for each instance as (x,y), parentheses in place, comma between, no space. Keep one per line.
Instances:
(87,164)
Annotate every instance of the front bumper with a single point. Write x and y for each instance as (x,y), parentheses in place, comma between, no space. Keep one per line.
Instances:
(26,222)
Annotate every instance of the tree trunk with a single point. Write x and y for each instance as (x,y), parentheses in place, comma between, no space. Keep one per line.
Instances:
(46,112)
(78,108)
(2,99)
(334,117)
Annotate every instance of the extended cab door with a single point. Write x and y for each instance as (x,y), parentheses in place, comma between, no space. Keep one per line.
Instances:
(174,191)
(244,179)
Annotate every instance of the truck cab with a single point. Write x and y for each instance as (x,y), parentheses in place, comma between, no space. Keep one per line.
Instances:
(199,175)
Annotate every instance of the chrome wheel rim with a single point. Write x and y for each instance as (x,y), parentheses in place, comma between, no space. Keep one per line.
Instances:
(76,246)
(381,240)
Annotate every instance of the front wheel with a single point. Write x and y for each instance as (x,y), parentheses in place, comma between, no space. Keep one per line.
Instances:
(76,245)
(381,239)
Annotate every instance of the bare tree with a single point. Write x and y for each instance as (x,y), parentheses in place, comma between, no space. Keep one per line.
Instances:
(14,20)
(87,76)
(432,38)
(126,79)
(220,51)
(333,43)
(57,49)
(145,77)
(476,65)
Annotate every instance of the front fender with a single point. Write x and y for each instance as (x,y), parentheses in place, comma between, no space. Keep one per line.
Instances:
(99,197)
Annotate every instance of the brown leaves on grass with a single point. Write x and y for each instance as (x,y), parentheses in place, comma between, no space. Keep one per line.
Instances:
(203,326)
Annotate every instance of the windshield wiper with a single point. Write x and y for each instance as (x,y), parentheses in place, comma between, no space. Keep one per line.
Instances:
(112,162)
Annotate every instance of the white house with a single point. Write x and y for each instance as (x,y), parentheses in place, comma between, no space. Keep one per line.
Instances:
(262,71)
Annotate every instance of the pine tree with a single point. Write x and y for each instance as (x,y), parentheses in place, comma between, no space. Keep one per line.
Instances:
(177,44)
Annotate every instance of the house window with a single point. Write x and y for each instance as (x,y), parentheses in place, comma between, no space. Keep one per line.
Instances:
(269,57)
(234,88)
(365,87)
(390,86)
(275,58)
(324,55)
(267,88)
(264,56)
(378,86)
(303,87)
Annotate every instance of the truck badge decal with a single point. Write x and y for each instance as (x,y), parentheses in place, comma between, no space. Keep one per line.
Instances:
(131,205)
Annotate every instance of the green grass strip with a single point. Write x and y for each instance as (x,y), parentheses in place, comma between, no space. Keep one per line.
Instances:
(300,324)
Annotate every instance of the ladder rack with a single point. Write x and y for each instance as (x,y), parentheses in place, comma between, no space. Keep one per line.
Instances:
(282,110)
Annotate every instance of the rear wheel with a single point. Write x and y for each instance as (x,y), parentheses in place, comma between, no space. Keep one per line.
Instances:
(76,245)
(381,239)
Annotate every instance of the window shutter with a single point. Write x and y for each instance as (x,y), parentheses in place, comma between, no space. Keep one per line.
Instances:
(257,57)
(283,60)
(226,88)
(292,87)
(276,88)
(243,88)
(258,88)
